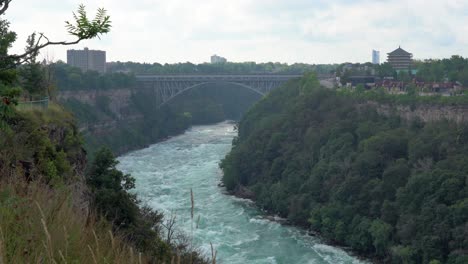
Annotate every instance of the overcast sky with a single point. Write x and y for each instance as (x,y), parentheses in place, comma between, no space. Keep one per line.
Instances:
(310,31)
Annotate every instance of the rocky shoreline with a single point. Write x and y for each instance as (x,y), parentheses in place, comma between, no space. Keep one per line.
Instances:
(244,193)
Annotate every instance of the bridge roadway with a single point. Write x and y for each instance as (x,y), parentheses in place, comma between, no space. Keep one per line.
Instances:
(168,87)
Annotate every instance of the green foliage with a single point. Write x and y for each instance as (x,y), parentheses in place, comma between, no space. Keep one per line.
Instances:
(85,113)
(33,79)
(70,78)
(7,38)
(110,188)
(452,69)
(83,28)
(221,68)
(327,160)
(409,99)
(141,225)
(360,89)
(35,139)
(9,99)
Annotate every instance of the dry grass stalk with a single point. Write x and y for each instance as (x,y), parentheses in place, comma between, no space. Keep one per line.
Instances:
(48,247)
(46,231)
(92,254)
(62,256)
(2,250)
(131,255)
(65,232)
(112,239)
(40,209)
(48,252)
(97,242)
(139,258)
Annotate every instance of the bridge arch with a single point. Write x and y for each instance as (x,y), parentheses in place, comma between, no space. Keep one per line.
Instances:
(169,87)
(204,83)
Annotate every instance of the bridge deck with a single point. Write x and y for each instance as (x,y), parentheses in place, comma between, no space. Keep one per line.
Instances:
(229,77)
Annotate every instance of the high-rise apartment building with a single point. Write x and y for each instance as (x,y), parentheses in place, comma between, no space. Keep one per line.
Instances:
(218,59)
(87,60)
(375,57)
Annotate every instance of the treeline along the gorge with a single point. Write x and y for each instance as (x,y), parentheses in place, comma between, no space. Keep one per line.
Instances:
(390,189)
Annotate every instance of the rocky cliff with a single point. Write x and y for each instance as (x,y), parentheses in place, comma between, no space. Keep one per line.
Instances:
(425,113)
(119,99)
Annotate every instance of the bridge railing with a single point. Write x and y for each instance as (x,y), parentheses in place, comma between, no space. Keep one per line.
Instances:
(214,77)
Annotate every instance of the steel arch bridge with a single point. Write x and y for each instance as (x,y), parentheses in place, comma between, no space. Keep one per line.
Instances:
(168,87)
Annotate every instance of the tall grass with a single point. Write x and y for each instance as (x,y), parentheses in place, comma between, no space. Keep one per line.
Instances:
(40,225)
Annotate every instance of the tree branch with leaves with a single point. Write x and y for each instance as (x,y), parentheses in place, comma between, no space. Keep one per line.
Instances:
(82,28)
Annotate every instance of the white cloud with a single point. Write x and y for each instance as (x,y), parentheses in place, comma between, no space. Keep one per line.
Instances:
(313,31)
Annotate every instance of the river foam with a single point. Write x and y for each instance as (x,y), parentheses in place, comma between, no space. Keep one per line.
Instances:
(166,172)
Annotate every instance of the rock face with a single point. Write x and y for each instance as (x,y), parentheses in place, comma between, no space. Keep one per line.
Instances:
(120,104)
(119,99)
(425,113)
(244,192)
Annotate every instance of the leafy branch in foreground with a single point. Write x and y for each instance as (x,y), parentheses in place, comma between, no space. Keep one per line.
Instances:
(82,28)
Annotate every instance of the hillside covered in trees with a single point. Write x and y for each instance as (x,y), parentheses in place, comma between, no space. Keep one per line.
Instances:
(390,189)
(55,207)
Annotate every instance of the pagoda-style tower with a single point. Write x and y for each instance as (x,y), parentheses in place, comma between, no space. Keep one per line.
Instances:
(400,59)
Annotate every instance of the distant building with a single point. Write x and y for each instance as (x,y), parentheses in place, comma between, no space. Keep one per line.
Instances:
(375,57)
(400,59)
(87,60)
(218,59)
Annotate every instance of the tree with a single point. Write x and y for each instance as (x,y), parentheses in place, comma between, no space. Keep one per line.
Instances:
(33,78)
(82,28)
(110,187)
(381,234)
(385,70)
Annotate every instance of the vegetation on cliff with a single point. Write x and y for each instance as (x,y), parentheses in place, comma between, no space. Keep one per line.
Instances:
(205,105)
(51,209)
(69,78)
(387,188)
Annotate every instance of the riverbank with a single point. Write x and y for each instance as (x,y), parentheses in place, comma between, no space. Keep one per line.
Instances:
(242,192)
(166,172)
(379,183)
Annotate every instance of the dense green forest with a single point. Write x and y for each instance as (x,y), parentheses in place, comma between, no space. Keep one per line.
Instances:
(452,69)
(220,68)
(389,189)
(70,78)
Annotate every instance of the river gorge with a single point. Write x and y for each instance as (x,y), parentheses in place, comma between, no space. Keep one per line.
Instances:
(166,172)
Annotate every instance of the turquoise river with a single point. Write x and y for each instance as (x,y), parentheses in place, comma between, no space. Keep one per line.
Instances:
(165,173)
